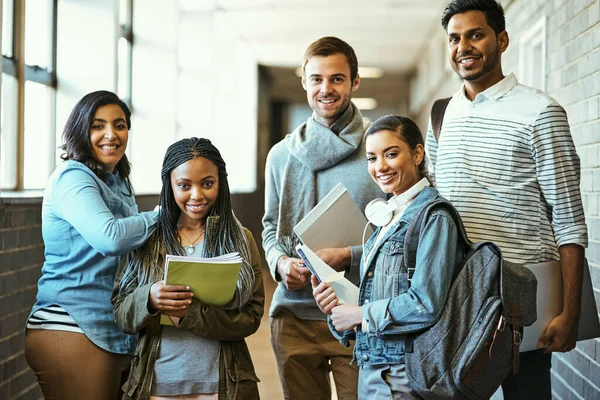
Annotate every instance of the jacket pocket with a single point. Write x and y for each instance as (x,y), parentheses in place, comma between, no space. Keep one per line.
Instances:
(244,384)
(390,277)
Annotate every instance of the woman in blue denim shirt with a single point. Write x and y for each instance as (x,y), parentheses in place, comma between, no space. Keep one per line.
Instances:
(391,305)
(89,219)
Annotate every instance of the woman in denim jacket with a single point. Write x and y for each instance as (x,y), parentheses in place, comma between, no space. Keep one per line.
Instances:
(392,306)
(89,220)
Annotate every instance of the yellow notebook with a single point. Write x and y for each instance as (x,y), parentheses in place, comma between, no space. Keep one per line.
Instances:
(212,280)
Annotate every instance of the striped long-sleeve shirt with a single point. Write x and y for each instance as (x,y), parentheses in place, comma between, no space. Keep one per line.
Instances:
(508,163)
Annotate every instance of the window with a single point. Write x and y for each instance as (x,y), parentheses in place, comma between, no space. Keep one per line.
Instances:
(27,133)
(125,51)
(532,56)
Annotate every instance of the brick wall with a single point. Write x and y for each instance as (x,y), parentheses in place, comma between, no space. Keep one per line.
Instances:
(573,79)
(21,259)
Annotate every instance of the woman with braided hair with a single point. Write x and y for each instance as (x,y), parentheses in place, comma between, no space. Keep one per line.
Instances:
(204,355)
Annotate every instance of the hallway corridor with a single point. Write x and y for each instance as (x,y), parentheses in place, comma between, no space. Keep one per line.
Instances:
(260,349)
(262,353)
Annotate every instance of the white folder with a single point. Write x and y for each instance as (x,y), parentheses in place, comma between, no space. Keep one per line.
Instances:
(549,304)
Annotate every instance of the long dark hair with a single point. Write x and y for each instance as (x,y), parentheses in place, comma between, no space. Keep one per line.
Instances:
(76,135)
(406,129)
(224,233)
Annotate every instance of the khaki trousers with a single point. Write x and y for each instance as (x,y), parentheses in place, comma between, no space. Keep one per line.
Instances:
(68,366)
(306,352)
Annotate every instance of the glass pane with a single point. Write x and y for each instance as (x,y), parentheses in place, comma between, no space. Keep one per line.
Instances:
(8,133)
(124,61)
(38,33)
(39,135)
(7,28)
(125,12)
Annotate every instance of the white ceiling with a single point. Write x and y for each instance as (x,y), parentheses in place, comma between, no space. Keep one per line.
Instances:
(391,34)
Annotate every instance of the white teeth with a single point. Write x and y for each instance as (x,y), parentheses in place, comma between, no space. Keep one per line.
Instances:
(385,177)
(326,101)
(106,147)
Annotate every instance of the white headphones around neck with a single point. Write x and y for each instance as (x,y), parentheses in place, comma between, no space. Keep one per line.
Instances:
(380,212)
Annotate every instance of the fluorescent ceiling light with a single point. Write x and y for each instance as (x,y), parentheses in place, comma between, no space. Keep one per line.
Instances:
(370,72)
(365,103)
(364,72)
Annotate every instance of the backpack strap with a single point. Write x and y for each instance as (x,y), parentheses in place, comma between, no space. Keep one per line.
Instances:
(437,116)
(411,241)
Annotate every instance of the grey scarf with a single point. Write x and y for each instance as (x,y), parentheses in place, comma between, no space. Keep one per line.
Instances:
(312,147)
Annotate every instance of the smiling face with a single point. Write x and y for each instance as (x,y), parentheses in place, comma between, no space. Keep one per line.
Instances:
(328,86)
(195,185)
(109,135)
(392,164)
(475,50)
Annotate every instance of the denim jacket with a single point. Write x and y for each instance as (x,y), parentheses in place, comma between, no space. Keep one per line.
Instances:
(87,224)
(392,307)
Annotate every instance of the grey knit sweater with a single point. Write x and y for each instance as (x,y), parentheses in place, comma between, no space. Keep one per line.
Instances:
(325,167)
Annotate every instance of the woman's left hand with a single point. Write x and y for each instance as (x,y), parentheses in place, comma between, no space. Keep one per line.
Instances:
(345,317)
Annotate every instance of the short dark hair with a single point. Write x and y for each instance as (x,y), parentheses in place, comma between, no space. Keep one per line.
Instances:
(77,144)
(330,45)
(494,13)
(406,129)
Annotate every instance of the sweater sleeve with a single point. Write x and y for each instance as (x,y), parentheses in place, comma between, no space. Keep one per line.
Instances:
(271,216)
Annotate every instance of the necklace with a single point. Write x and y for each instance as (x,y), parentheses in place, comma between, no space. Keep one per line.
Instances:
(191,246)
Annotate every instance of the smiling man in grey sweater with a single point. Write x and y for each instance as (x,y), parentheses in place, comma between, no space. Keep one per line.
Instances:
(301,169)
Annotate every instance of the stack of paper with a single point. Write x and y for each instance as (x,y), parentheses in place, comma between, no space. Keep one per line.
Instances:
(345,290)
(212,280)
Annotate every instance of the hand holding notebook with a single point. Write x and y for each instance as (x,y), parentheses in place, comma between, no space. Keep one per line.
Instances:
(212,280)
(345,290)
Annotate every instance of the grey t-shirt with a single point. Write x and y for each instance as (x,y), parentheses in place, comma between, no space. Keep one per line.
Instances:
(186,363)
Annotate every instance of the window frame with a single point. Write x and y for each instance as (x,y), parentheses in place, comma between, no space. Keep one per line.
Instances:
(15,66)
(126,33)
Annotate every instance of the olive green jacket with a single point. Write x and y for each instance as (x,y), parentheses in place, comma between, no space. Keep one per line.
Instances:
(237,378)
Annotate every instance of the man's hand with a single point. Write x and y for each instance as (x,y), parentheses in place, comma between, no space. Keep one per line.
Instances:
(345,317)
(324,295)
(294,274)
(169,299)
(337,258)
(560,335)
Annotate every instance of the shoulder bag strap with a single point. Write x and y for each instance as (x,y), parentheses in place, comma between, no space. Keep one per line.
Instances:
(411,241)
(437,116)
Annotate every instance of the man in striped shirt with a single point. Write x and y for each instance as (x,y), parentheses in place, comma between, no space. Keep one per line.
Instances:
(506,159)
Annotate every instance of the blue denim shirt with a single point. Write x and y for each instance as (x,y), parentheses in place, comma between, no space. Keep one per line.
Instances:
(86,225)
(392,308)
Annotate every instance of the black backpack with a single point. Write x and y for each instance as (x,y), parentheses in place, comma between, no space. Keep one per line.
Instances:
(473,346)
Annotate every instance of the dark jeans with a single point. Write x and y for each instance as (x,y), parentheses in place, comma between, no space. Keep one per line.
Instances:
(533,379)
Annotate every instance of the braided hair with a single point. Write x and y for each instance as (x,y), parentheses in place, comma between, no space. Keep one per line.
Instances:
(224,233)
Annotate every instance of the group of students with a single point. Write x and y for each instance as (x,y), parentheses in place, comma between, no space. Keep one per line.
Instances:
(94,331)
